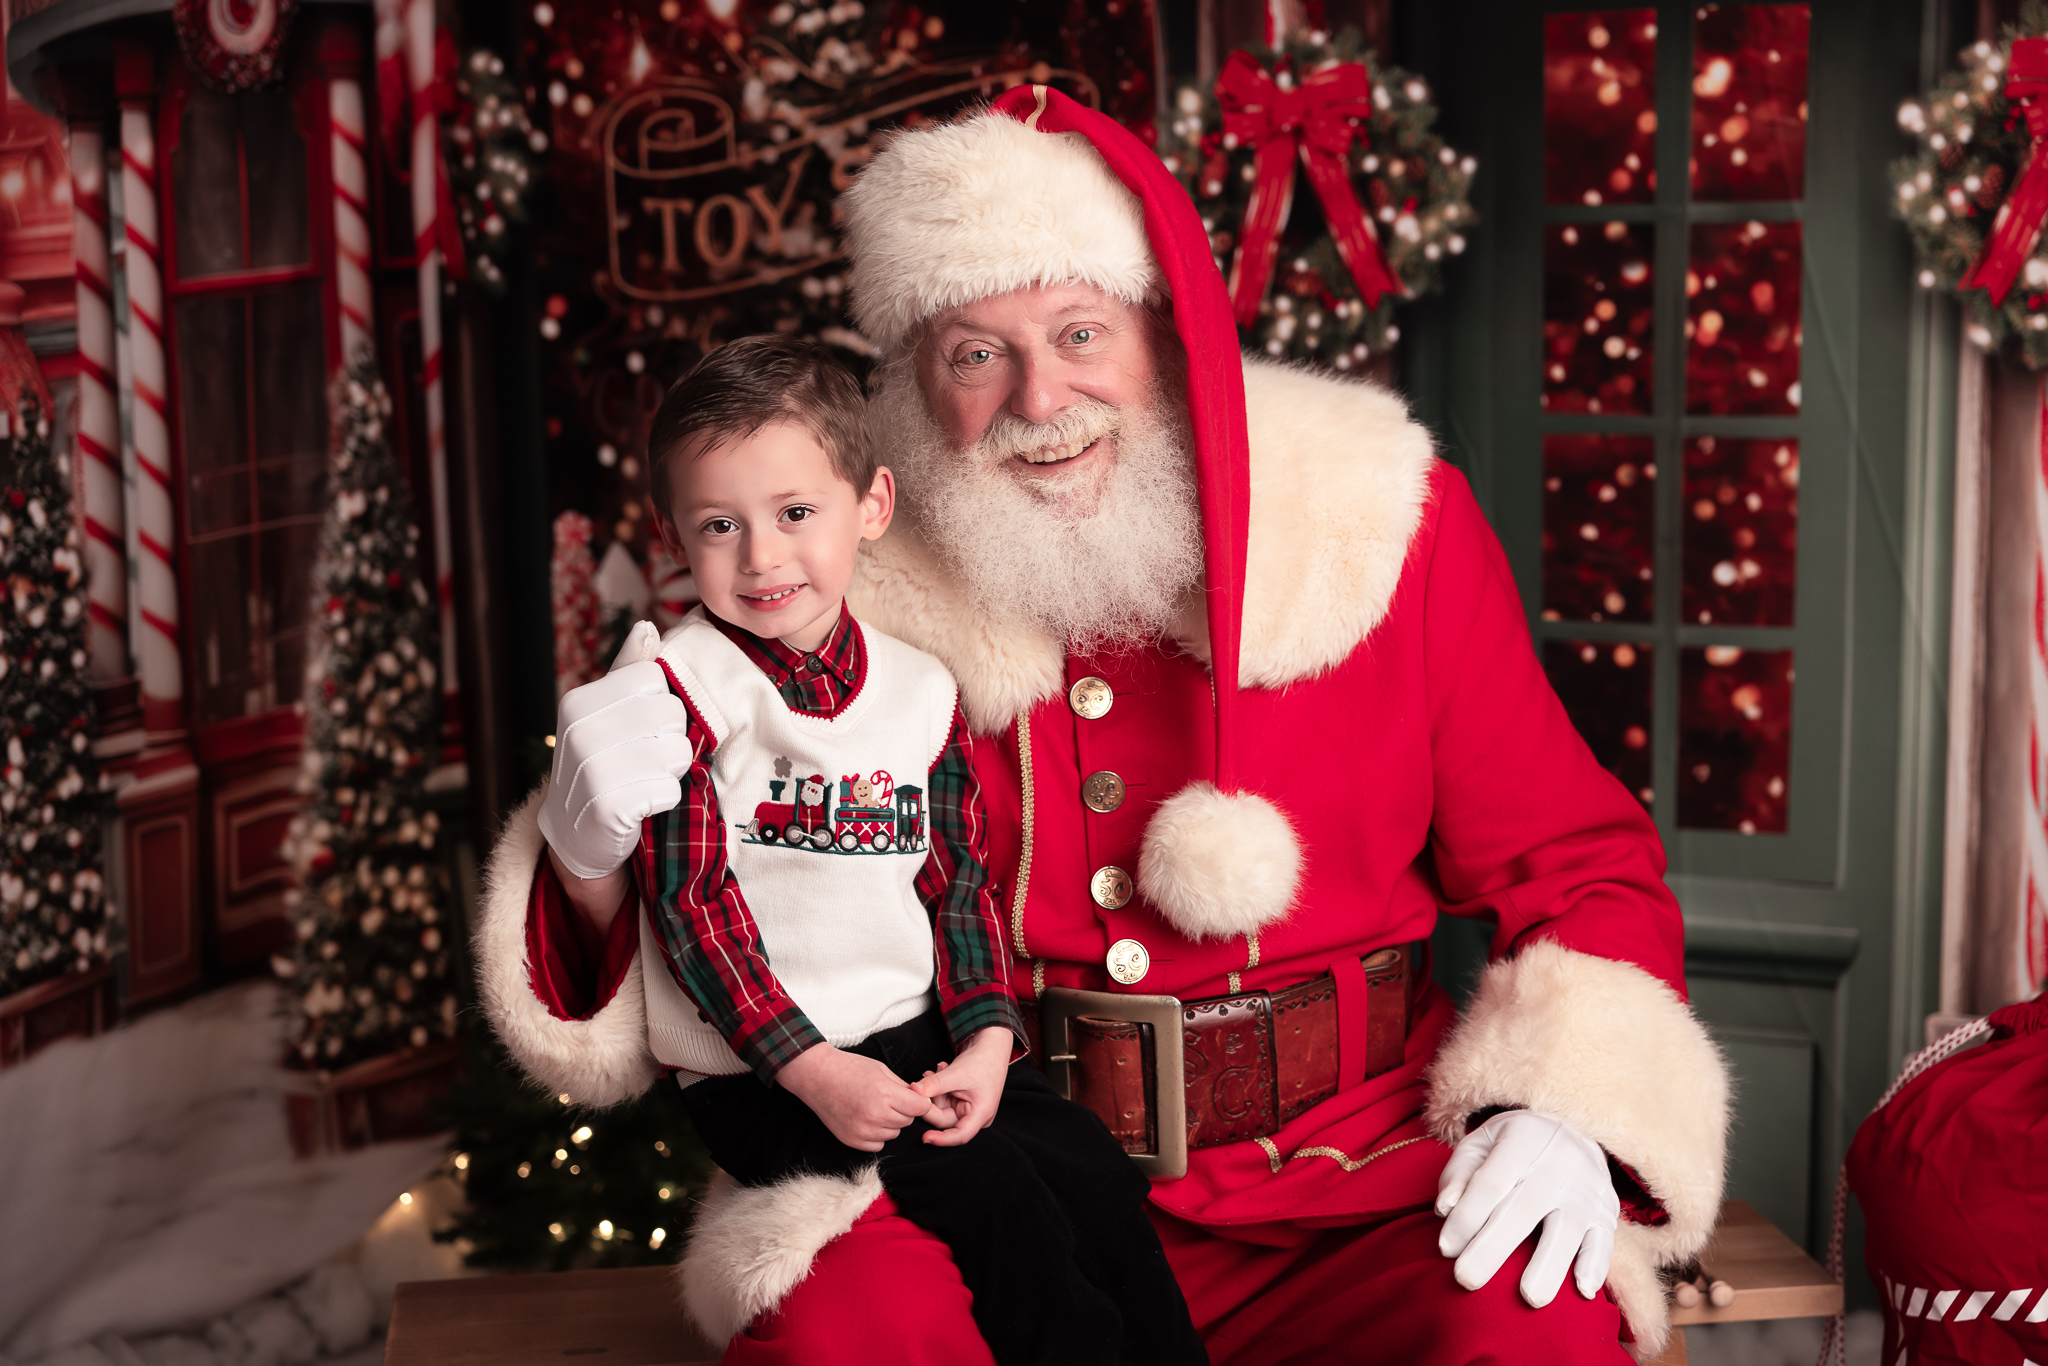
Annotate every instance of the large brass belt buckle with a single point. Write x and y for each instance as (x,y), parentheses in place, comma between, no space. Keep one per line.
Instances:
(1169,1100)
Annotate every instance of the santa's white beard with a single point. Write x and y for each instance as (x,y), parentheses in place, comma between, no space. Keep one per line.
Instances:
(1095,557)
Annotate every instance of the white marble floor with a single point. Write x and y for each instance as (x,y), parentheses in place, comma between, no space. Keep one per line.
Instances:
(153,1210)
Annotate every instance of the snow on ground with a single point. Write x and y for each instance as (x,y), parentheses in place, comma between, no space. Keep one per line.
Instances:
(157,1217)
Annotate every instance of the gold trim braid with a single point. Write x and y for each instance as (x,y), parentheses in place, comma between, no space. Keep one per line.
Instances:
(1023,879)
(1349,1164)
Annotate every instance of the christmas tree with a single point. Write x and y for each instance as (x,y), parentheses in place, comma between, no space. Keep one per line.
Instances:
(372,966)
(553,1187)
(53,915)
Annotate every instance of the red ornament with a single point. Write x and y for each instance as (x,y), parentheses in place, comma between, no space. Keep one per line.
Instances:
(234,45)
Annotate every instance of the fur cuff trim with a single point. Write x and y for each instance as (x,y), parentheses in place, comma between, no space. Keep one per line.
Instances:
(1219,864)
(750,1247)
(978,207)
(600,1061)
(1613,1052)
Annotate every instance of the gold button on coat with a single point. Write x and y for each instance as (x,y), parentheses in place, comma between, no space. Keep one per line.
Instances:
(1090,698)
(1128,962)
(1103,792)
(1111,887)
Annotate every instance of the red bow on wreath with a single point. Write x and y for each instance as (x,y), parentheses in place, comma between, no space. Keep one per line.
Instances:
(1316,119)
(394,98)
(2018,225)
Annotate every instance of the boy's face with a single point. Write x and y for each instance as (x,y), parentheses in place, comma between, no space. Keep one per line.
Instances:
(770,531)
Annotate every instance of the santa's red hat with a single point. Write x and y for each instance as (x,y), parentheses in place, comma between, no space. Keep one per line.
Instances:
(1041,190)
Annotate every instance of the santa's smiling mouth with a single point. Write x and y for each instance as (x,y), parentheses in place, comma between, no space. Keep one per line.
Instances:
(1058,455)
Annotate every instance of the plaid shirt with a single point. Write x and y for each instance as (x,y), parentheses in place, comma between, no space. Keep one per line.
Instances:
(700,912)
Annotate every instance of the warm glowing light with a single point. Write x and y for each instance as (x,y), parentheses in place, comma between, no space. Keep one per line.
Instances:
(657,1238)
(462,1162)
(405,1199)
(641,61)
(582,1135)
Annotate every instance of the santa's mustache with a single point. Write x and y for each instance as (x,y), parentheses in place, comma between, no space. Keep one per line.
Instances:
(1066,434)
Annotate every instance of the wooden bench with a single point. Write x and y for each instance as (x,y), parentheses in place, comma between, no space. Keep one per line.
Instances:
(1771,1275)
(631,1318)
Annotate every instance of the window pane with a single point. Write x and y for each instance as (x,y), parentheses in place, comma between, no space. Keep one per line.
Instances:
(286,555)
(223,624)
(206,186)
(213,412)
(1749,102)
(1742,318)
(1734,738)
(1741,530)
(1605,688)
(1600,107)
(291,401)
(1596,317)
(277,181)
(1599,528)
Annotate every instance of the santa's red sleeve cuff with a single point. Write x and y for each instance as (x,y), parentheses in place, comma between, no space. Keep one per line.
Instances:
(573,967)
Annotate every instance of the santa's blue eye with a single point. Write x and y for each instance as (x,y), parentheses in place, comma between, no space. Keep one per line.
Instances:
(978,357)
(1081,336)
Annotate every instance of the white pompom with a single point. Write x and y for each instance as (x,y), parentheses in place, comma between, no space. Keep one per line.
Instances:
(1219,864)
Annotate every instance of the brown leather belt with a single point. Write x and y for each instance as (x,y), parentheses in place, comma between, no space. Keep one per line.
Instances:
(1249,1063)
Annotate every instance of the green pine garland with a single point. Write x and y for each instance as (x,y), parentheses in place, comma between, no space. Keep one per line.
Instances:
(1408,179)
(372,967)
(490,155)
(53,909)
(1973,142)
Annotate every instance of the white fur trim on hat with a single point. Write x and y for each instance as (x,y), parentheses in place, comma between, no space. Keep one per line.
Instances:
(1613,1052)
(750,1246)
(1219,864)
(599,1061)
(966,210)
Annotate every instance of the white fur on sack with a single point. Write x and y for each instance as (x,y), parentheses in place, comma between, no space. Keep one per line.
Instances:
(750,1247)
(1219,864)
(982,206)
(600,1061)
(1613,1052)
(1339,484)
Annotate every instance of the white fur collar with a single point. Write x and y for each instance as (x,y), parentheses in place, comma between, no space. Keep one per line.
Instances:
(1340,476)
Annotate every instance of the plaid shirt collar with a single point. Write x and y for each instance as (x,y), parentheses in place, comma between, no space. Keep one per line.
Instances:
(820,680)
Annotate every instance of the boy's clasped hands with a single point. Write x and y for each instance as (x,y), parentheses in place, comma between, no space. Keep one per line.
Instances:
(865,1105)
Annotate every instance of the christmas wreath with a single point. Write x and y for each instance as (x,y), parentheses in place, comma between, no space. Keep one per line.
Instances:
(491,150)
(1974,196)
(1315,277)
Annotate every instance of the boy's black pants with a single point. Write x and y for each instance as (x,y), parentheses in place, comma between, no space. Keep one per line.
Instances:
(1043,1212)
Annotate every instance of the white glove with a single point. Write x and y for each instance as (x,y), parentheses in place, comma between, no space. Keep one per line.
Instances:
(621,747)
(1517,1170)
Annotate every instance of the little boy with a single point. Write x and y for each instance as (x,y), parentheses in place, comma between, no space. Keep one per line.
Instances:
(826,872)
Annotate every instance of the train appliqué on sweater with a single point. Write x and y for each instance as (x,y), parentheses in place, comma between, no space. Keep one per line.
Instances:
(870,815)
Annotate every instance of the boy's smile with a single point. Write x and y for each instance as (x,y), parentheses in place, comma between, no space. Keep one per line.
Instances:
(770,530)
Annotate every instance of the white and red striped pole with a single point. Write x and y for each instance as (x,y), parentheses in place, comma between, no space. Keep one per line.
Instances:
(147,451)
(406,27)
(351,215)
(99,415)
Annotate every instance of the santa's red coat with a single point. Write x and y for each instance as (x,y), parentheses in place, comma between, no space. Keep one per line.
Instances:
(1395,714)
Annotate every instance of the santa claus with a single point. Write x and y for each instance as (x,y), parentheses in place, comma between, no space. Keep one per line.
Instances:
(1255,702)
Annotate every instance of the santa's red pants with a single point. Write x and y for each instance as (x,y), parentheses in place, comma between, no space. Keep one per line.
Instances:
(887,1292)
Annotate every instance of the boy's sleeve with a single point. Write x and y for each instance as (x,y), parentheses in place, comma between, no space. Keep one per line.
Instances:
(967,927)
(707,934)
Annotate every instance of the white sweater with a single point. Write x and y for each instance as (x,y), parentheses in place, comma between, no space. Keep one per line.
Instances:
(826,831)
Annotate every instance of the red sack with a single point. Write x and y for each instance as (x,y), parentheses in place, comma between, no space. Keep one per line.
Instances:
(1952,1176)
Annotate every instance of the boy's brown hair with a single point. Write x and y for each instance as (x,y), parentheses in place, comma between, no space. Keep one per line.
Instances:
(743,386)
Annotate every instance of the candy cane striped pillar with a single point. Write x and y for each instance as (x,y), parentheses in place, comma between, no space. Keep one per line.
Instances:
(351,214)
(147,452)
(99,419)
(418,21)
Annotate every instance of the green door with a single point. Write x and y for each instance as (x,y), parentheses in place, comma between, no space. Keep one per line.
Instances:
(1688,373)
